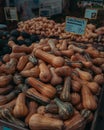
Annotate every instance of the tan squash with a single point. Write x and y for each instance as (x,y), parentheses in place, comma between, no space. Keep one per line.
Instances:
(28,66)
(38,121)
(20,110)
(75,98)
(6,89)
(36,96)
(10,67)
(63,71)
(34,72)
(55,80)
(22,62)
(45,74)
(6,58)
(21,49)
(32,110)
(88,99)
(5,80)
(41,110)
(97,70)
(67,53)
(11,43)
(4,99)
(16,55)
(65,94)
(84,75)
(10,104)
(55,61)
(45,89)
(76,86)
(99,79)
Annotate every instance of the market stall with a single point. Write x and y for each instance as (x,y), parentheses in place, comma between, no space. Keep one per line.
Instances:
(52,73)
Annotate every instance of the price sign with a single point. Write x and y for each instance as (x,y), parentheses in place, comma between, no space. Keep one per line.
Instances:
(11,13)
(91,13)
(55,6)
(6,128)
(75,25)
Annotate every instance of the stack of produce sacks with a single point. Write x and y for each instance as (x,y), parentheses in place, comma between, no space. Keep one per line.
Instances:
(53,84)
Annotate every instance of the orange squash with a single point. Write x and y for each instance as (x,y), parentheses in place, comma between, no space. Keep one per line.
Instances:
(45,89)
(88,99)
(45,74)
(55,61)
(34,72)
(22,62)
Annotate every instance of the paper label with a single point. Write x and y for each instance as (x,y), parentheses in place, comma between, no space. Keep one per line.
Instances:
(91,13)
(75,25)
(55,6)
(11,13)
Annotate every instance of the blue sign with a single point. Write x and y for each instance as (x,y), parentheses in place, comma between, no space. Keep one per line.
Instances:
(91,13)
(6,128)
(75,25)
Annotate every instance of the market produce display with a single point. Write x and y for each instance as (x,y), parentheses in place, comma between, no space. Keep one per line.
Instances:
(43,26)
(53,84)
(61,81)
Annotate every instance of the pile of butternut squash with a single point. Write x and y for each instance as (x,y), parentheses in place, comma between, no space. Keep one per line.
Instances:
(44,27)
(51,85)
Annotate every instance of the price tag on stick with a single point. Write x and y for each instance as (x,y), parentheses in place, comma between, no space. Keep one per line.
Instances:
(75,25)
(11,13)
(91,13)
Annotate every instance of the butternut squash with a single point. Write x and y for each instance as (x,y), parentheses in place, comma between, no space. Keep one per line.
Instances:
(10,67)
(28,66)
(10,104)
(6,58)
(16,55)
(67,53)
(20,110)
(21,49)
(65,94)
(22,62)
(63,71)
(84,75)
(11,43)
(52,45)
(45,74)
(32,110)
(6,89)
(17,78)
(41,110)
(88,99)
(45,89)
(66,110)
(75,98)
(36,96)
(5,80)
(98,61)
(42,122)
(55,79)
(55,61)
(76,86)
(97,70)
(77,122)
(76,49)
(99,79)
(7,98)
(34,72)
